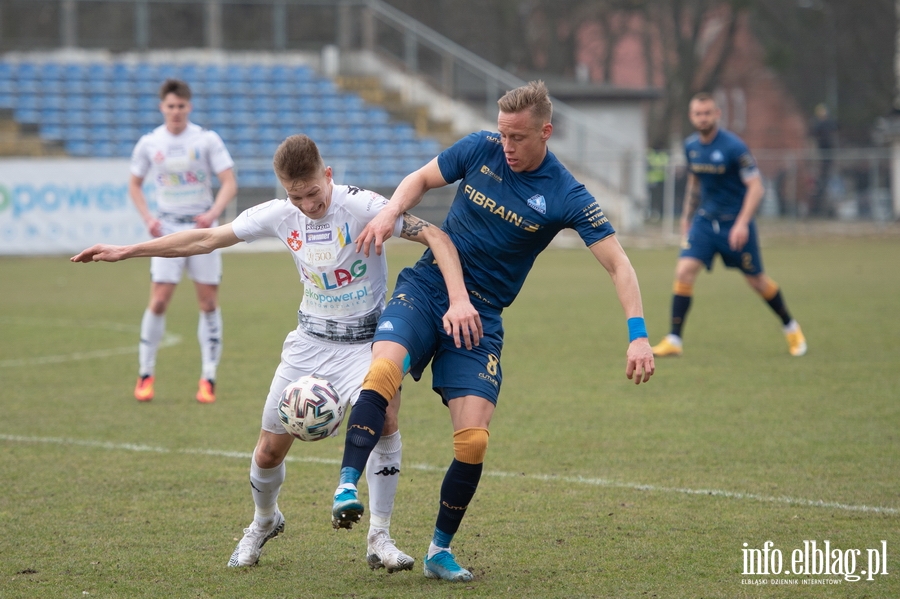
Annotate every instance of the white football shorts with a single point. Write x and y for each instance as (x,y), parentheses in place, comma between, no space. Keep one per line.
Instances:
(344,365)
(205,269)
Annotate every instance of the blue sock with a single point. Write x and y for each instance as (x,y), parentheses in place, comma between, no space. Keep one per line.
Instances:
(350,475)
(441,539)
(364,426)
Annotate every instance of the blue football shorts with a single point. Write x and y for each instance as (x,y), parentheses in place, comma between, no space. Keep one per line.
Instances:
(708,237)
(413,318)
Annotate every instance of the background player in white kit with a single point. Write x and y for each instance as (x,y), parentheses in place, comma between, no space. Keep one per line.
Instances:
(343,296)
(183,158)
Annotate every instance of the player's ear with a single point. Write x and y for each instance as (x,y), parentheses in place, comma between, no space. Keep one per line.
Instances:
(546,131)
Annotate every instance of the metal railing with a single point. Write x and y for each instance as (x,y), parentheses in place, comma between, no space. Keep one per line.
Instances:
(849,184)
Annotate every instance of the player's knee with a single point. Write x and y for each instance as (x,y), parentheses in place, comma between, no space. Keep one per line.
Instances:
(384,377)
(683,289)
(765,286)
(470,444)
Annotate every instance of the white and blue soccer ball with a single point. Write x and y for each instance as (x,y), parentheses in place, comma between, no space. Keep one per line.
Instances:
(311,409)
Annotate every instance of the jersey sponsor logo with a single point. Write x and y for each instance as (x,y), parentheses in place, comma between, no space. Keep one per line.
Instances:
(487,171)
(494,139)
(336,298)
(344,235)
(707,169)
(294,242)
(491,205)
(319,237)
(180,178)
(339,277)
(537,202)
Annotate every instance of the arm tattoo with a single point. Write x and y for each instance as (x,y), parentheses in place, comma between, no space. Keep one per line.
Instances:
(412,225)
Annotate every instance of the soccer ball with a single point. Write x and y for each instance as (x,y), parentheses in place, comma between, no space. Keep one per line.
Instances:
(311,409)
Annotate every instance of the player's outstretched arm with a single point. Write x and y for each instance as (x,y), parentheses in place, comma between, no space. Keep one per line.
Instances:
(640,365)
(407,195)
(462,321)
(189,242)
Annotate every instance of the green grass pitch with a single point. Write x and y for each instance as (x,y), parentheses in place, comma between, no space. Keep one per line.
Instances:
(593,487)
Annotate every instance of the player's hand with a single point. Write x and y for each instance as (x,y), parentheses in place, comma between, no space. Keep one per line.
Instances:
(377,230)
(640,365)
(100,253)
(204,221)
(154,227)
(463,323)
(738,236)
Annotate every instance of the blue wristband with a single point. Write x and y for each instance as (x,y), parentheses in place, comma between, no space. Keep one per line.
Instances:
(636,328)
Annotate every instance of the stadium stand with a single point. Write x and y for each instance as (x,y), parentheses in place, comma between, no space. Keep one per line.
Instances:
(100,109)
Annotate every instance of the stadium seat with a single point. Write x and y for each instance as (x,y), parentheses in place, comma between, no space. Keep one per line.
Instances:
(77,147)
(101,108)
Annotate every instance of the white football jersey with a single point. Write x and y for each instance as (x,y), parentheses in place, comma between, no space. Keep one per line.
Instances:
(182,165)
(343,291)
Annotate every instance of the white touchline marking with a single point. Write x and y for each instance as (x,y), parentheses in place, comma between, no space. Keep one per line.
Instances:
(580,480)
(168,340)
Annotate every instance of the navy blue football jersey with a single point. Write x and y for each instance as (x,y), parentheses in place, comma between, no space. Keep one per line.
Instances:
(501,220)
(721,166)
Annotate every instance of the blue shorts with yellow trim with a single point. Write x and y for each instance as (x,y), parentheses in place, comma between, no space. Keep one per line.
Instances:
(414,318)
(709,236)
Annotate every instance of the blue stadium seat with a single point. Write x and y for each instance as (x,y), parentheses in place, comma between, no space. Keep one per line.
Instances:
(74,71)
(26,70)
(124,148)
(50,70)
(48,131)
(260,74)
(264,118)
(28,86)
(76,133)
(27,115)
(103,149)
(77,147)
(122,71)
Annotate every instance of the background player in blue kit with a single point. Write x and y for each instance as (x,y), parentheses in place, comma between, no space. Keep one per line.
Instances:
(513,197)
(723,191)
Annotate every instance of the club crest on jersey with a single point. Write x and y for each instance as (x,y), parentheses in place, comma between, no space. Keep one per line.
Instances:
(294,242)
(538,203)
(716,156)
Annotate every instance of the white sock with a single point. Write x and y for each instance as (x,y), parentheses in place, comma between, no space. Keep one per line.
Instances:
(791,327)
(383,476)
(674,339)
(209,334)
(434,550)
(265,483)
(153,327)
